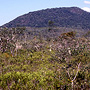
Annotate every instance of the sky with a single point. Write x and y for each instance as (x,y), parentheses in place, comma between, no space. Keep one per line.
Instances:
(10,9)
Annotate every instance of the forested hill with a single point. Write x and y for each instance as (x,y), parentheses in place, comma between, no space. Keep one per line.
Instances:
(63,17)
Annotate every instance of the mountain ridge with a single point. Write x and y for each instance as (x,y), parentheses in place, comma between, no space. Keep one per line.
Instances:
(62,17)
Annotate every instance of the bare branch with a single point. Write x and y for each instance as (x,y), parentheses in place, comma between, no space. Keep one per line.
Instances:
(77,71)
(68,74)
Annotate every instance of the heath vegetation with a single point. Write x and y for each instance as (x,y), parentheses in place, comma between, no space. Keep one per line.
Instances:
(48,59)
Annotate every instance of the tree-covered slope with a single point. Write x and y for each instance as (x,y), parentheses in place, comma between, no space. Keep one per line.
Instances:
(65,17)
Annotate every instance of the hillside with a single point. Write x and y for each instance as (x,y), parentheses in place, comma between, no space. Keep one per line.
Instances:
(36,55)
(61,63)
(62,17)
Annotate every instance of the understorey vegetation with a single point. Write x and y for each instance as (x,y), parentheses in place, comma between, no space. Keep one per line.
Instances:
(43,63)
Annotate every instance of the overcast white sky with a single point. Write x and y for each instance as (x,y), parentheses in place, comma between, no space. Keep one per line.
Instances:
(10,9)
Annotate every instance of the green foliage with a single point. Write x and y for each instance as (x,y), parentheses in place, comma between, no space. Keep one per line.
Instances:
(50,67)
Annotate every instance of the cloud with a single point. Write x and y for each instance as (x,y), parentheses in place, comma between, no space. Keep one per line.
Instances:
(86,9)
(87,2)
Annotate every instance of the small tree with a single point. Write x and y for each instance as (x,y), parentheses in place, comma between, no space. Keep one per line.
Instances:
(50,24)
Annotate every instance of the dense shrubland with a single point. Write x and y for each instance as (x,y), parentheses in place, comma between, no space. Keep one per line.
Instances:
(40,63)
